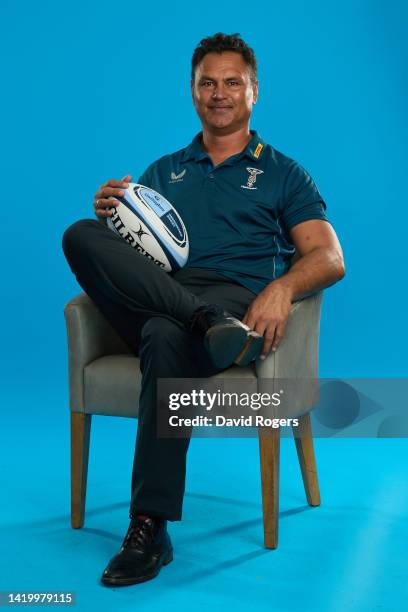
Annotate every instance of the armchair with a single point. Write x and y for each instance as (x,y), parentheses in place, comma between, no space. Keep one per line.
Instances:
(97,356)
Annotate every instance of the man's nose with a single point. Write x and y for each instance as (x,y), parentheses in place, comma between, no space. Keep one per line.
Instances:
(219,92)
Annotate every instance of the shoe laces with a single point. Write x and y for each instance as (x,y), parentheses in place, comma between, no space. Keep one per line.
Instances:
(139,533)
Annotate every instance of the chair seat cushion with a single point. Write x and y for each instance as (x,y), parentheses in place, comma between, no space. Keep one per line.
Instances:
(112,384)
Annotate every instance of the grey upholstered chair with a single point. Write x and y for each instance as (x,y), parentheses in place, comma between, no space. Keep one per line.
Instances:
(104,379)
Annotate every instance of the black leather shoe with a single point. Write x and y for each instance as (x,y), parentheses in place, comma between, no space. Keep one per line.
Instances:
(145,549)
(226,339)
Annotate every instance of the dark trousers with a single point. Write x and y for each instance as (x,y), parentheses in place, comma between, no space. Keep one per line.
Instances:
(150,310)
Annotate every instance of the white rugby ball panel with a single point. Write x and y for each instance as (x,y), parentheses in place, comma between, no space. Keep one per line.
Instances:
(158,213)
(131,228)
(170,218)
(149,223)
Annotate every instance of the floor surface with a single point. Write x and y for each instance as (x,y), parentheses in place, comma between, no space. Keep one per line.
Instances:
(348,554)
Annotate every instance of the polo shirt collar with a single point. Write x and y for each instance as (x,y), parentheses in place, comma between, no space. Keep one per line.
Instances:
(253,150)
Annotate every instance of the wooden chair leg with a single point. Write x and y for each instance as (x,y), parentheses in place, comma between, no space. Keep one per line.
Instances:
(307,460)
(80,434)
(269,443)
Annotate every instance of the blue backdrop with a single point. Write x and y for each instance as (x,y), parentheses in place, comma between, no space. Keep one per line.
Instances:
(96,89)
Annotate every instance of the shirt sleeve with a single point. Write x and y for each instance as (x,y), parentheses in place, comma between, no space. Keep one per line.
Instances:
(301,198)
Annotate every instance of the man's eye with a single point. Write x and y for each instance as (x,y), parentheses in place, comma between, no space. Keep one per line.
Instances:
(207,83)
(233,83)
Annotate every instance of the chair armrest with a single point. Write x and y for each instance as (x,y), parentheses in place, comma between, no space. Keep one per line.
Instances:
(297,356)
(90,336)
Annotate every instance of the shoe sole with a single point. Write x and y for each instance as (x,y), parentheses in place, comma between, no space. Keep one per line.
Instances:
(228,344)
(251,350)
(129,581)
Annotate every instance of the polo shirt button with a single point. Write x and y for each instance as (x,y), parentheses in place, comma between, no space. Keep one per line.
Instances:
(211,176)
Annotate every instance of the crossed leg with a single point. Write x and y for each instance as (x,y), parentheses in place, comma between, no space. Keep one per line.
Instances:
(149,309)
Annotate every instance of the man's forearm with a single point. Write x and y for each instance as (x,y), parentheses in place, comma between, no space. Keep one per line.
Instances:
(316,270)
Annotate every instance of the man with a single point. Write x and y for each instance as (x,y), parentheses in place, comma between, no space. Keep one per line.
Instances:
(247,208)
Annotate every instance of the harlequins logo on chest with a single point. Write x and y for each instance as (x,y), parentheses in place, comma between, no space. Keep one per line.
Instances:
(253,173)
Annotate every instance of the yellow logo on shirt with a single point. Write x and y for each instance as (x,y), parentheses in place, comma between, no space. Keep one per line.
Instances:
(258,150)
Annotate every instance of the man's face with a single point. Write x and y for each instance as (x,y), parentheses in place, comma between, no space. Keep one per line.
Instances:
(223,92)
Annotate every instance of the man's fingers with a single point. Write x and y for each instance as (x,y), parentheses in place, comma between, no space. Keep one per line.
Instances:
(104,206)
(269,335)
(272,339)
(106,202)
(107,192)
(105,197)
(279,333)
(122,184)
(261,328)
(103,212)
(250,320)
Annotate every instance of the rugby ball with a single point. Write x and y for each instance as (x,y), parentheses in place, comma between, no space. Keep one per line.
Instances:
(152,226)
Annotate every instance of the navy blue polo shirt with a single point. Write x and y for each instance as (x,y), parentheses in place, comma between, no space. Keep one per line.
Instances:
(238,214)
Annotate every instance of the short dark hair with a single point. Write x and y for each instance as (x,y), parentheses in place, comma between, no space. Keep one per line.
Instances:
(218,43)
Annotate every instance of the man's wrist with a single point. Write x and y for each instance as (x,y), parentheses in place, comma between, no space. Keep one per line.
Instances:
(284,285)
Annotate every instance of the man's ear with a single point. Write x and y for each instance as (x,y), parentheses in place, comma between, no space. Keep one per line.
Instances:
(192,88)
(255,91)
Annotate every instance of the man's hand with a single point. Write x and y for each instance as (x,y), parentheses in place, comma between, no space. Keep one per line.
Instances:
(105,197)
(321,264)
(268,315)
